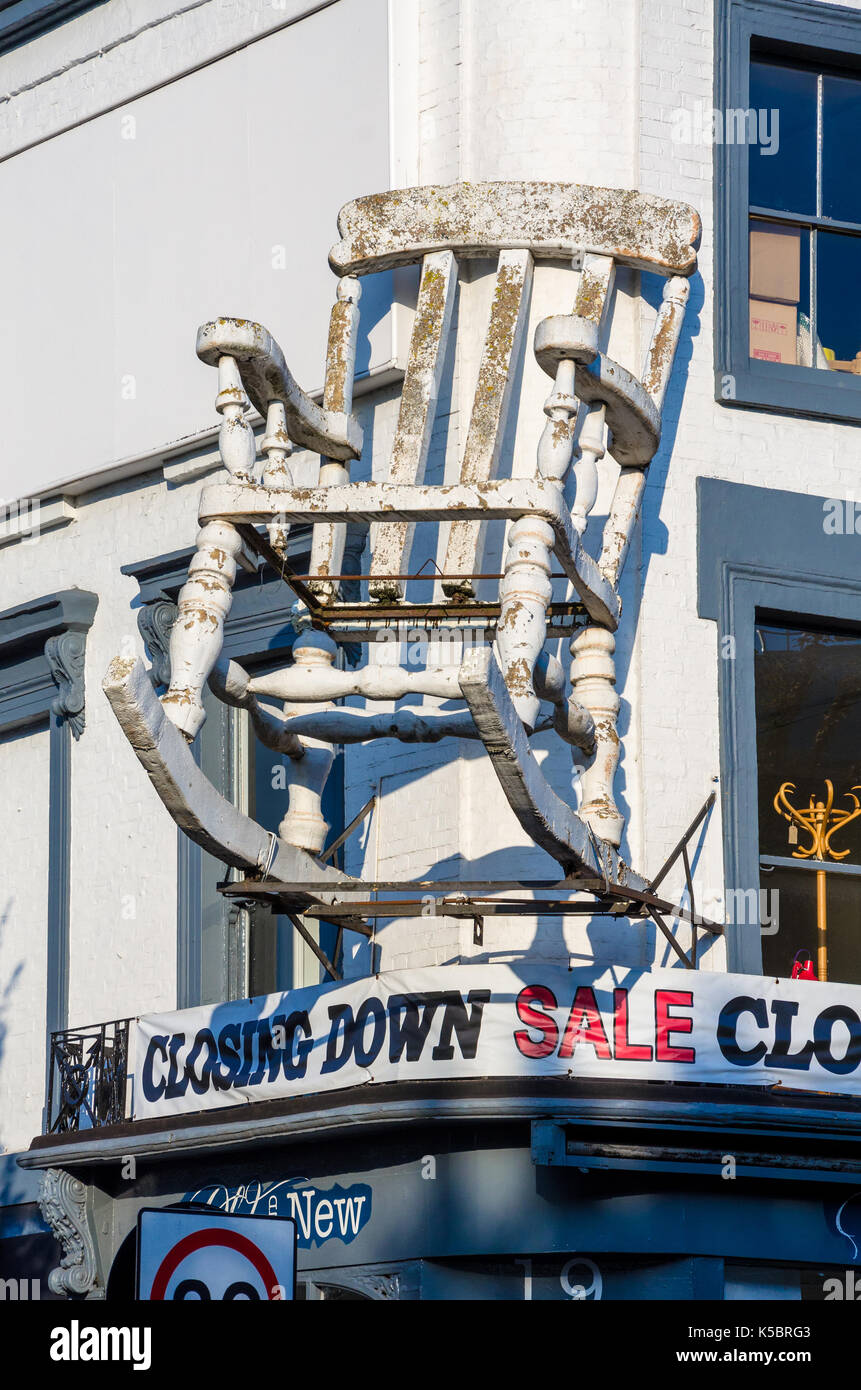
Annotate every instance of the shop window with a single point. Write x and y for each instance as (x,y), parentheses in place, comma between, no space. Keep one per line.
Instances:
(747,1281)
(309,1290)
(788,208)
(808,703)
(572,1277)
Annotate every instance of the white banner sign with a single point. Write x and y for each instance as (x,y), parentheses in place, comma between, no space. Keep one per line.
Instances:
(501,1020)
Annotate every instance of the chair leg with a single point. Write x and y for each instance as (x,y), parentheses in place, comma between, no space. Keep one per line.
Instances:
(593,679)
(198,633)
(524,595)
(303,824)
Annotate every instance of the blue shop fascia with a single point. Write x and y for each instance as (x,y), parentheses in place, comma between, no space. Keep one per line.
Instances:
(503,1188)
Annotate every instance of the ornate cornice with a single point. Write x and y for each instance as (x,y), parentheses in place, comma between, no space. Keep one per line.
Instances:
(63,1203)
(367,1282)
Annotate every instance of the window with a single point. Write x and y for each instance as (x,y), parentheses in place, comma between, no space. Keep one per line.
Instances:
(748,1280)
(805,276)
(235,952)
(42,710)
(788,208)
(808,700)
(768,566)
(23,20)
(277,956)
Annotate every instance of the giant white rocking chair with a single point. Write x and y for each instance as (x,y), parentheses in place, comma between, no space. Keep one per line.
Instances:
(500,687)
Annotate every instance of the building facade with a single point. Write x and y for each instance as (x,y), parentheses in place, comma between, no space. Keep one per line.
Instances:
(179,163)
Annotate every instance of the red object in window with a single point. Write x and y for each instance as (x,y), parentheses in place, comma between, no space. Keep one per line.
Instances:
(803,969)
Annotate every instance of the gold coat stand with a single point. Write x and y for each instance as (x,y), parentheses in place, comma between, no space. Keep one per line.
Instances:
(821,821)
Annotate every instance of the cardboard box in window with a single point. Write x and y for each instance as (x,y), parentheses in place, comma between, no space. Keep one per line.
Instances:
(773,331)
(775,264)
(853,366)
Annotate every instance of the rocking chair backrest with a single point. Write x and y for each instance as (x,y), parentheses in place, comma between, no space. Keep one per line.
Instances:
(519,222)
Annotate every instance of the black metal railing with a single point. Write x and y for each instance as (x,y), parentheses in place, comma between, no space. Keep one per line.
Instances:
(88,1077)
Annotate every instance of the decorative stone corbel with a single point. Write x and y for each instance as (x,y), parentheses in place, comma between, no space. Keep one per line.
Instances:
(155,622)
(66,655)
(63,1203)
(368,1282)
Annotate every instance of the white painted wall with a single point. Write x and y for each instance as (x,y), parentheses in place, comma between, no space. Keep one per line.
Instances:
(213,195)
(23,934)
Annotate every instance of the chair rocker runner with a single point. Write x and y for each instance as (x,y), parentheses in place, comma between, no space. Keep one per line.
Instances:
(595,406)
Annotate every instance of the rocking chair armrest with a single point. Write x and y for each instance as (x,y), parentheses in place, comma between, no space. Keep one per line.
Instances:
(266,377)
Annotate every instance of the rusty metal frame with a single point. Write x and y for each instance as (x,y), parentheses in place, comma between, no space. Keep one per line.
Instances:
(477,899)
(561,617)
(348,830)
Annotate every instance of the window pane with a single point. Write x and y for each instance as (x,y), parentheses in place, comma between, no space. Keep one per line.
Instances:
(779,293)
(273,946)
(782,157)
(808,693)
(278,958)
(841,133)
(790,905)
(838,313)
(215,755)
(808,702)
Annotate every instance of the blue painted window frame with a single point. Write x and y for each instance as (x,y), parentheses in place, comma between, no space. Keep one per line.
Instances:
(761,552)
(813,32)
(30,702)
(24,20)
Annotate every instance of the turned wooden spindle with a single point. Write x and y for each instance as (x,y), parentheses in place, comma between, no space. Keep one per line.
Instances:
(235,437)
(593,681)
(556,446)
(591,445)
(197,634)
(524,594)
(276,446)
(206,596)
(303,824)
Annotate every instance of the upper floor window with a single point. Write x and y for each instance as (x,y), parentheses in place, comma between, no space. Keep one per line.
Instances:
(805,217)
(788,207)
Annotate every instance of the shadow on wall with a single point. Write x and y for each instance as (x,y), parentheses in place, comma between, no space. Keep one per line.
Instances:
(7,988)
(28,1250)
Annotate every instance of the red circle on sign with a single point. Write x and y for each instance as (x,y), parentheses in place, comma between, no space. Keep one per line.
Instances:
(198,1241)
